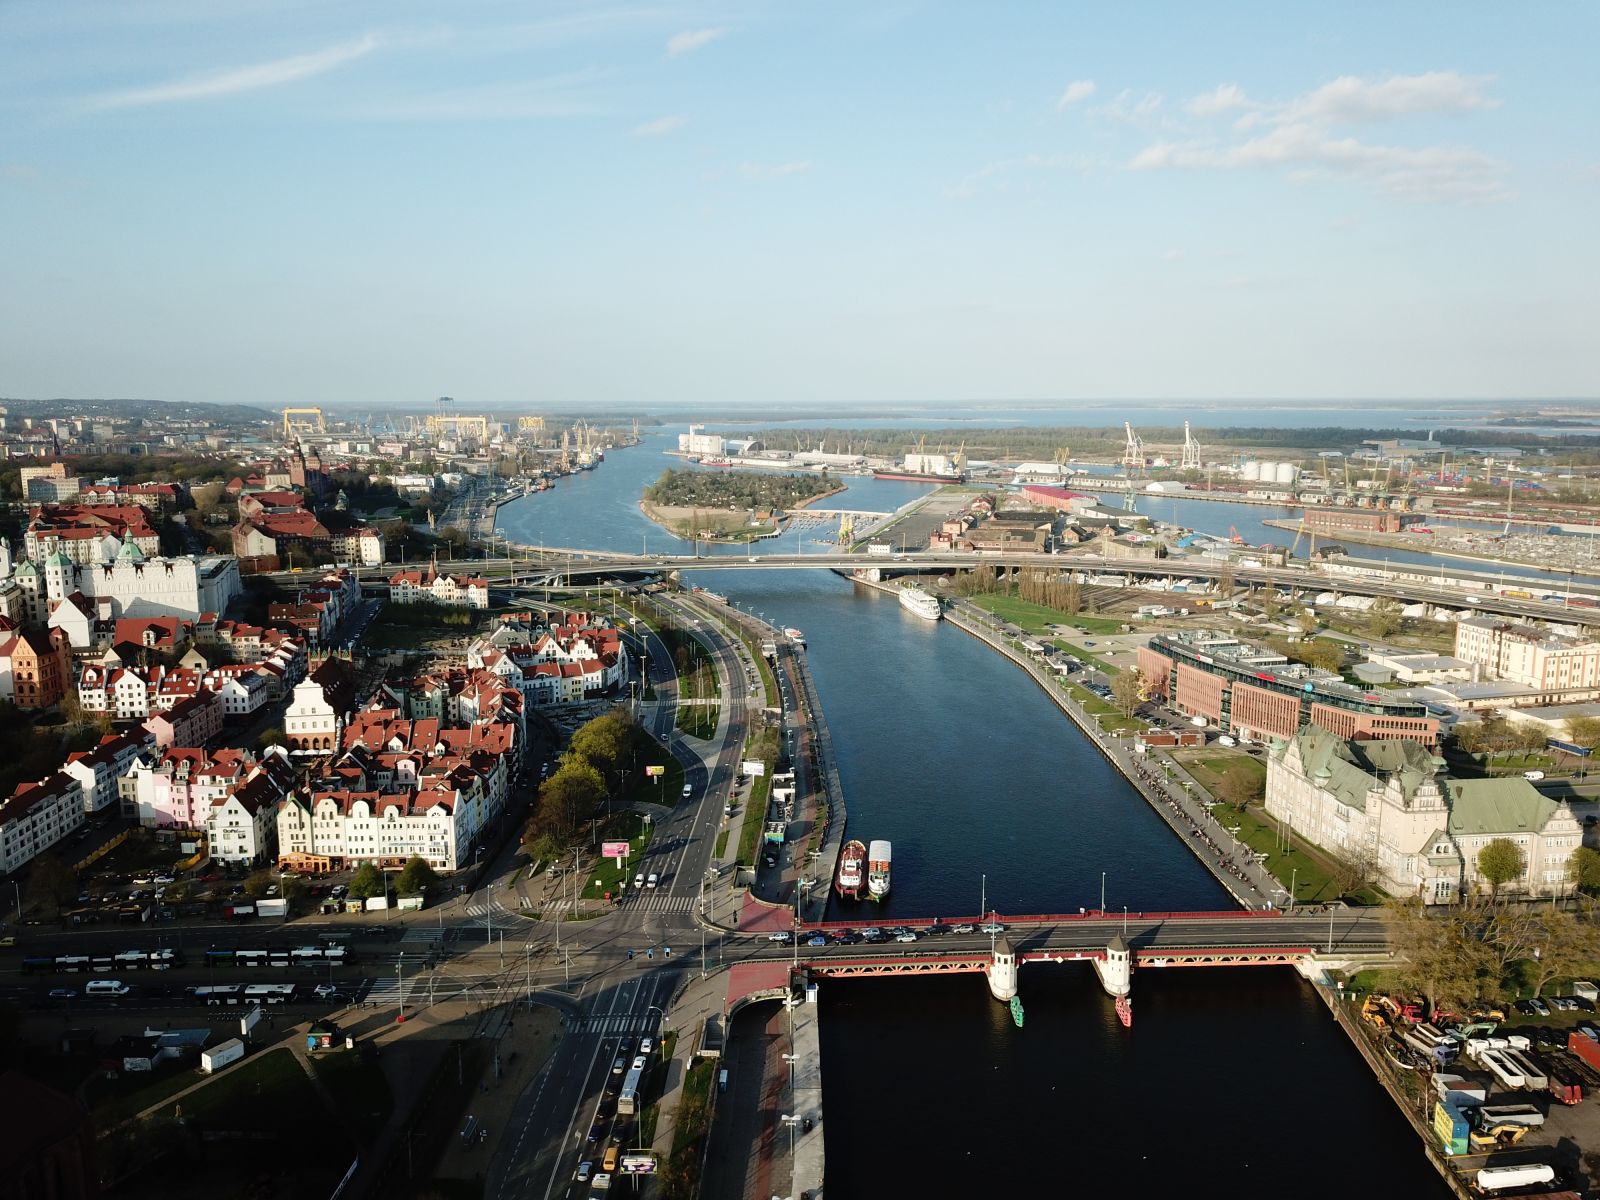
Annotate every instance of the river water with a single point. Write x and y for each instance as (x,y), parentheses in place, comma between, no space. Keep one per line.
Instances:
(1231,1082)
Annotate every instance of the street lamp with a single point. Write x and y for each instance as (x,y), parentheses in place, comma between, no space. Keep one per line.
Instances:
(791,1121)
(400,984)
(1124,922)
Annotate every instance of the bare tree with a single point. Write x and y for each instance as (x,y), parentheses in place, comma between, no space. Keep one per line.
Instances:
(1127,688)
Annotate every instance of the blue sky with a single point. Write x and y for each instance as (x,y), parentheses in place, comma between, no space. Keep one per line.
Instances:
(273,201)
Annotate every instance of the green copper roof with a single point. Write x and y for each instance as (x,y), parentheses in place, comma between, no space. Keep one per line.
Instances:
(1480,806)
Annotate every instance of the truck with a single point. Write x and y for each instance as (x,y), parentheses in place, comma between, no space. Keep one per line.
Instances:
(1494,1179)
(278,907)
(1565,1086)
(1510,1114)
(221,1055)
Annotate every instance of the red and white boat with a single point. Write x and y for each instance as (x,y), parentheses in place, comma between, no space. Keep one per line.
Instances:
(852,871)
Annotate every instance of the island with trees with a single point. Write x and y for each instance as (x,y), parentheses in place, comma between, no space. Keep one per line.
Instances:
(730,506)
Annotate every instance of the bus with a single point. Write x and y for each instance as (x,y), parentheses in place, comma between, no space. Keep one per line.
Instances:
(268,993)
(219,958)
(72,962)
(214,996)
(251,958)
(36,964)
(628,1101)
(337,956)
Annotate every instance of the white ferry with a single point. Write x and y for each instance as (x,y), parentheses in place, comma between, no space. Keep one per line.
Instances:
(923,604)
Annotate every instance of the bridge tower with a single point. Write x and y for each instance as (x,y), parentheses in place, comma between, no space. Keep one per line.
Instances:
(1003,971)
(1116,969)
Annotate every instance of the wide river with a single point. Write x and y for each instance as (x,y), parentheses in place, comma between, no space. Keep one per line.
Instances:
(1231,1083)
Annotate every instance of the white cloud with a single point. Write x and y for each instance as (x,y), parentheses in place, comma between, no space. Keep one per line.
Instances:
(1352,99)
(772,170)
(1300,136)
(1078,89)
(693,39)
(1125,109)
(1428,173)
(1172,256)
(240,79)
(1225,98)
(660,127)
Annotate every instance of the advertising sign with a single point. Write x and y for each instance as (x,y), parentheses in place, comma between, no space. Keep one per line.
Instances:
(613,849)
(753,766)
(250,1020)
(654,772)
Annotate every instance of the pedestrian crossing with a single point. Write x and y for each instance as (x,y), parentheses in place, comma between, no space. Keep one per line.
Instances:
(483,908)
(662,904)
(618,1023)
(388,991)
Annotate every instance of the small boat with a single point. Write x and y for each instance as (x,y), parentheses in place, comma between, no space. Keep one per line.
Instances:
(1016,1010)
(1125,1011)
(795,636)
(878,870)
(847,880)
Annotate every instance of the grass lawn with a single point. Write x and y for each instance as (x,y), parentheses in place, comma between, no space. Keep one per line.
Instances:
(665,789)
(606,874)
(1106,715)
(1208,771)
(1034,618)
(359,1089)
(722,842)
(1306,868)
(114,1100)
(755,818)
(1083,656)
(658,1077)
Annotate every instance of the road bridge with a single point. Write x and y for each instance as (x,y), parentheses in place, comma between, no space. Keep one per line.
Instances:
(1452,588)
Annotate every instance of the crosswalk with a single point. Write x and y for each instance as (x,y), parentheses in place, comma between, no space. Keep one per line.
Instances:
(483,908)
(388,991)
(662,904)
(606,1023)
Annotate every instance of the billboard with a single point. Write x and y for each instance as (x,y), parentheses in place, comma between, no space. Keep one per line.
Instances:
(638,1162)
(654,772)
(753,766)
(250,1020)
(614,849)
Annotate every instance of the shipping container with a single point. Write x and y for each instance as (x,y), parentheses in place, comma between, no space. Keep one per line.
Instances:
(1584,1047)
(1565,1086)
(1451,1127)
(221,1055)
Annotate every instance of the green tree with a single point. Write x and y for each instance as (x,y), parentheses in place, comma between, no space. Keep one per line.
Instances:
(257,884)
(416,876)
(1440,956)
(1499,863)
(1583,869)
(1567,944)
(1383,618)
(568,798)
(1241,787)
(367,881)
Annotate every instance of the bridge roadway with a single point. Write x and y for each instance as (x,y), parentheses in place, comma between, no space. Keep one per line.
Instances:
(572,564)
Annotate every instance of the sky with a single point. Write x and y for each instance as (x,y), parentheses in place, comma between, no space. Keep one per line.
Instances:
(768,205)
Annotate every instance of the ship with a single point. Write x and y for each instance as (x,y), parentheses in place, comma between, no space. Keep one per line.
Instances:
(923,604)
(1125,1011)
(1016,1010)
(847,880)
(920,476)
(878,870)
(795,636)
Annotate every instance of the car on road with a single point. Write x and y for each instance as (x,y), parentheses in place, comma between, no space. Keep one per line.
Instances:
(602,1183)
(594,1135)
(63,993)
(647,1045)
(653,881)
(817,939)
(585,1169)
(965,928)
(783,937)
(325,991)
(770,860)
(937,928)
(620,1065)
(639,1062)
(907,936)
(849,939)
(687,791)
(638,880)
(992,927)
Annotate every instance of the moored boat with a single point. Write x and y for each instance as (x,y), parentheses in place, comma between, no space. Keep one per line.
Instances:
(847,879)
(878,857)
(795,636)
(924,604)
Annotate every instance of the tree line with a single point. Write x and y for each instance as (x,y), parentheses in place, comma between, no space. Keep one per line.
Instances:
(733,489)
(597,762)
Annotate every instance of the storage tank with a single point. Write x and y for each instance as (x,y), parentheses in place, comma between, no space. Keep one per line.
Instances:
(1251,470)
(1285,473)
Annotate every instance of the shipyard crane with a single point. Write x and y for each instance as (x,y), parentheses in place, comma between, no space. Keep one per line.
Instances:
(1133,452)
(1191,451)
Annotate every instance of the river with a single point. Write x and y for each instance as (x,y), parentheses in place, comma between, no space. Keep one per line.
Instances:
(1230,1081)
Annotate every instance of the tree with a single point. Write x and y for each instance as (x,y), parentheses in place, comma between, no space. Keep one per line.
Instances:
(271,737)
(1583,868)
(367,881)
(1354,871)
(1566,945)
(51,880)
(1241,787)
(1584,731)
(1126,689)
(1440,956)
(1383,618)
(1225,583)
(1499,863)
(257,884)
(415,876)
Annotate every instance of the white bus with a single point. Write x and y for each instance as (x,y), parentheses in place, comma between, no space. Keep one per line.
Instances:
(628,1101)
(268,993)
